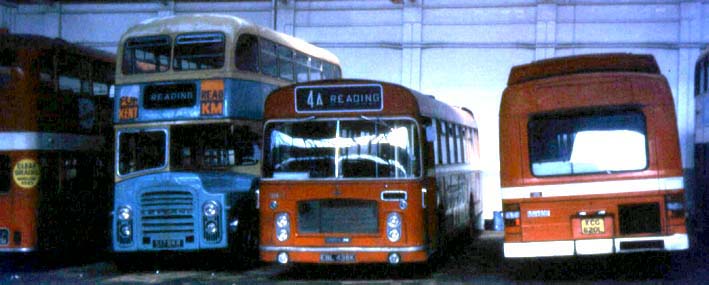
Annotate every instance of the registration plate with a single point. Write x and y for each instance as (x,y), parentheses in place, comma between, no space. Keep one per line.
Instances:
(168,243)
(338,257)
(593,226)
(4,236)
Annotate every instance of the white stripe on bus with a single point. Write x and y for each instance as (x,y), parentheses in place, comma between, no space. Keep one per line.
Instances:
(15,141)
(595,188)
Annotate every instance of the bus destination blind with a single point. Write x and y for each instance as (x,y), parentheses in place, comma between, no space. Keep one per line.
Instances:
(340,98)
(169,96)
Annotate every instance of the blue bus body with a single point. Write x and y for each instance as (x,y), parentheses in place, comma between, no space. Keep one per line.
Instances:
(166,207)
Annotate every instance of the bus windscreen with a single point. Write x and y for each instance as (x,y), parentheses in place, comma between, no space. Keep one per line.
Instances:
(342,149)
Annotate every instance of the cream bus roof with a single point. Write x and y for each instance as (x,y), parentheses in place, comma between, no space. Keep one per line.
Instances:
(231,26)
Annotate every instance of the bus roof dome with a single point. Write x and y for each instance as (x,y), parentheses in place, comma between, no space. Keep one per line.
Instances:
(587,63)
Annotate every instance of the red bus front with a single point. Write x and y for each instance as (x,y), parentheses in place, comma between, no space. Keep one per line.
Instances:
(342,190)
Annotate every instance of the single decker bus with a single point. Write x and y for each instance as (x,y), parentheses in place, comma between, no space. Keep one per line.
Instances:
(590,158)
(361,171)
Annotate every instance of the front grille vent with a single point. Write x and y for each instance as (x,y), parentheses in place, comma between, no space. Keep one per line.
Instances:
(338,216)
(167,212)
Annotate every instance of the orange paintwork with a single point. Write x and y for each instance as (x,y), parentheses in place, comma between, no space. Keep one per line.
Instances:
(288,193)
(420,226)
(647,91)
(23,105)
(19,206)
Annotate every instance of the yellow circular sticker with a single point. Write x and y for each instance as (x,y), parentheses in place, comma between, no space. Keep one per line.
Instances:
(26,173)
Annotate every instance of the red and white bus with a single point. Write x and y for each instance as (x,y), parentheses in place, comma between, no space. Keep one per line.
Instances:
(359,171)
(55,145)
(590,158)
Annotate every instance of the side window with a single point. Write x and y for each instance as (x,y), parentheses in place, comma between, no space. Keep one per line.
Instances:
(463,145)
(705,72)
(455,144)
(267,58)
(5,174)
(285,62)
(315,69)
(476,145)
(73,75)
(7,63)
(247,53)
(301,67)
(699,80)
(432,137)
(330,71)
(102,77)
(443,138)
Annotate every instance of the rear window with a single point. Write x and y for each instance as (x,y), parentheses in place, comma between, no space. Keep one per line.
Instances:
(587,142)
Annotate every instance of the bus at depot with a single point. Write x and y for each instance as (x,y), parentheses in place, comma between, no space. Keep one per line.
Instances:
(360,171)
(190,92)
(590,158)
(56,149)
(701,147)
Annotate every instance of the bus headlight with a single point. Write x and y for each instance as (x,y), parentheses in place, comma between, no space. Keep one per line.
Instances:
(211,221)
(124,213)
(211,228)
(125,231)
(124,224)
(393,227)
(282,226)
(210,209)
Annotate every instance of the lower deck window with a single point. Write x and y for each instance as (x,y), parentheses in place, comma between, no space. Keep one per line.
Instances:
(5,173)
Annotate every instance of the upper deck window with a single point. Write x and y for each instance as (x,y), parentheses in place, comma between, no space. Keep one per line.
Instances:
(342,149)
(268,58)
(587,142)
(247,53)
(199,51)
(146,55)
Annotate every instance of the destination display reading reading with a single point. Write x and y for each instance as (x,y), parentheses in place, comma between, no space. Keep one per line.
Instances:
(313,99)
(169,96)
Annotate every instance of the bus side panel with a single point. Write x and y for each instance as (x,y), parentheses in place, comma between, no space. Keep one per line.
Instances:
(511,150)
(19,204)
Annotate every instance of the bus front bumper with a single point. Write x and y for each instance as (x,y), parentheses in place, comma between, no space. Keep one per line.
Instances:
(335,255)
(596,246)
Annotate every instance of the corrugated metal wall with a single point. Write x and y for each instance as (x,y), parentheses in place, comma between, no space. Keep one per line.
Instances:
(458,50)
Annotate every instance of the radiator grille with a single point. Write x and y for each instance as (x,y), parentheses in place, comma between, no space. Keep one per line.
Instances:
(167,212)
(639,218)
(338,216)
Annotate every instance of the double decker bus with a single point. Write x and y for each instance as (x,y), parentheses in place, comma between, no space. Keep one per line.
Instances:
(190,96)
(701,148)
(55,145)
(359,171)
(590,158)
